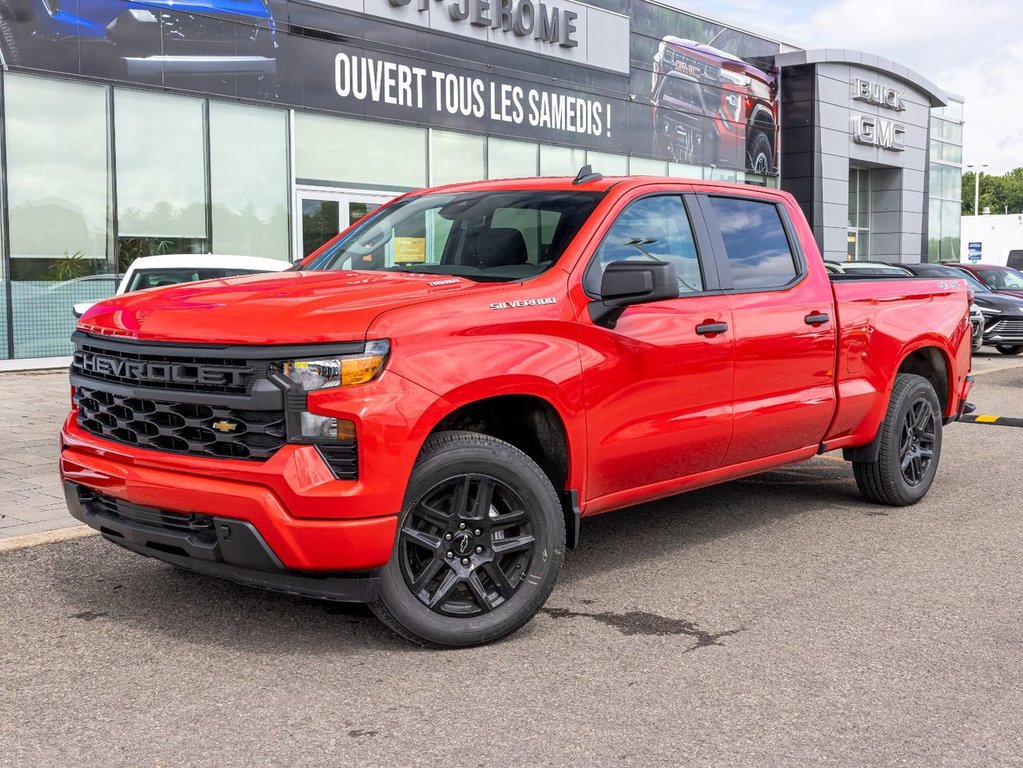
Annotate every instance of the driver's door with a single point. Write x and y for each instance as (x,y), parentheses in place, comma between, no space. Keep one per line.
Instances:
(657,385)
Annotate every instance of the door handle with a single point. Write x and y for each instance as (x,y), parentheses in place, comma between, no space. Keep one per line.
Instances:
(816,319)
(707,328)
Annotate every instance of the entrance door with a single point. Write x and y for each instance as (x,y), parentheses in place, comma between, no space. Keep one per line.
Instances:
(325,212)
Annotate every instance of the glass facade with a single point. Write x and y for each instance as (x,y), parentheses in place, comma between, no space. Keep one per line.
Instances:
(859,215)
(944,212)
(97,175)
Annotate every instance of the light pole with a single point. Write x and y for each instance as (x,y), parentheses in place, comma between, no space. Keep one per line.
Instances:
(976,184)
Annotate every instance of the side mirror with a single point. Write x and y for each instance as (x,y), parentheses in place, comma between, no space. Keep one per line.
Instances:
(625,283)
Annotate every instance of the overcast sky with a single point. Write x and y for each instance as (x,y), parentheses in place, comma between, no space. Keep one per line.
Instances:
(971,49)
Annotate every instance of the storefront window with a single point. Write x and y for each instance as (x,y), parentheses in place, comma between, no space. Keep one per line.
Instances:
(681,170)
(511,159)
(58,184)
(249,180)
(640,166)
(859,215)
(456,157)
(161,174)
(608,164)
(560,161)
(357,152)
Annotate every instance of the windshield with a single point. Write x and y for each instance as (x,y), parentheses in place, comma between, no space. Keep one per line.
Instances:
(1002,278)
(483,236)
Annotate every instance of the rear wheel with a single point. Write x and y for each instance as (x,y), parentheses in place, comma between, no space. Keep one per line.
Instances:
(910,446)
(1009,349)
(479,546)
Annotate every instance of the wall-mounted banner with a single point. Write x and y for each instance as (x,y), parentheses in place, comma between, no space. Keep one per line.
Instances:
(428,90)
(629,77)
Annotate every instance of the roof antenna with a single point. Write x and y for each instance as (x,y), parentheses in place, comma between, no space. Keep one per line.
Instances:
(586,174)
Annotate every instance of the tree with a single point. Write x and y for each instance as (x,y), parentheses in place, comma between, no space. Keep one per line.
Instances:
(996,192)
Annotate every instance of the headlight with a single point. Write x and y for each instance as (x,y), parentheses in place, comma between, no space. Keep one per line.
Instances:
(341,371)
(990,311)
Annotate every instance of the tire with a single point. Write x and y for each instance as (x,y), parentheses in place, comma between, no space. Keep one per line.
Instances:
(759,153)
(910,446)
(479,545)
(1009,349)
(10,35)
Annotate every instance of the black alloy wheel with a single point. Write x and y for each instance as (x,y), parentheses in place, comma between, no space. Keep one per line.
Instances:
(916,450)
(908,446)
(479,545)
(465,545)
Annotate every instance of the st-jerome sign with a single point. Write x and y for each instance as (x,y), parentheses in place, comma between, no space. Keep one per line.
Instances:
(525,18)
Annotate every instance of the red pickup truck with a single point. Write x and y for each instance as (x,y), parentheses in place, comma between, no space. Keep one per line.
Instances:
(418,416)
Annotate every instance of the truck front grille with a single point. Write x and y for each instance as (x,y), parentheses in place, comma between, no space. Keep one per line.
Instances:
(176,370)
(199,430)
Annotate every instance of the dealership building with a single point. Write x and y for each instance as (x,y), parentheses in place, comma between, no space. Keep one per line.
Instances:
(264,127)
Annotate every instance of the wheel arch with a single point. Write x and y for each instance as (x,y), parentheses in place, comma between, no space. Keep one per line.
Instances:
(535,425)
(928,361)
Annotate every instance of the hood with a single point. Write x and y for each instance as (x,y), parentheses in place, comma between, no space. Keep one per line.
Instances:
(1008,305)
(284,308)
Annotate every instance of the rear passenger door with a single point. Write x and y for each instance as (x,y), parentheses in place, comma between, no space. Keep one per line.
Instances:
(783,327)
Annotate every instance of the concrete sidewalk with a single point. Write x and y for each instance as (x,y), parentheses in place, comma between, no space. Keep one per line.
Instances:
(33,405)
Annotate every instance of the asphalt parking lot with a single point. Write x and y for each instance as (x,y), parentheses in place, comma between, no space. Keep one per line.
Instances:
(778,620)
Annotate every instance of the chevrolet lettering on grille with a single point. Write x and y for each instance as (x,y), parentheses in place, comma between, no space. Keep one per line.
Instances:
(150,372)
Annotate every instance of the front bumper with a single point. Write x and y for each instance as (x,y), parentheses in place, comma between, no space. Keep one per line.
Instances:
(210,544)
(309,520)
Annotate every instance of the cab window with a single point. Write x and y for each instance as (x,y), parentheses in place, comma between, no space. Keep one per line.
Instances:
(651,229)
(757,249)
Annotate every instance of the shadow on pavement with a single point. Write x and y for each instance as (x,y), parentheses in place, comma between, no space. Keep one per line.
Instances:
(98,581)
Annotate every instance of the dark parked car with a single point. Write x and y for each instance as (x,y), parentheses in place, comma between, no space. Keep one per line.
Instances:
(1003,313)
(977,317)
(999,279)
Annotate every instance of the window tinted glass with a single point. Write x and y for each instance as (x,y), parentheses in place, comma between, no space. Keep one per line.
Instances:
(755,243)
(654,229)
(486,236)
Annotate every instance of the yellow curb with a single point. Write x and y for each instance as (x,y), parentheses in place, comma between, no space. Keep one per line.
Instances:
(46,537)
(986,419)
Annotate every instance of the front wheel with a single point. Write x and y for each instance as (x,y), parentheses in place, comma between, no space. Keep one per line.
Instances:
(480,543)
(1009,349)
(910,446)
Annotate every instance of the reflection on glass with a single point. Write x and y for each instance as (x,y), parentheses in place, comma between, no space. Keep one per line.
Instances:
(357,210)
(161,167)
(58,192)
(655,229)
(320,219)
(456,157)
(359,152)
(756,246)
(249,180)
(511,159)
(560,161)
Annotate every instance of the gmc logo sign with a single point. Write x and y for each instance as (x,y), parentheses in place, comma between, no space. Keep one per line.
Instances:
(147,372)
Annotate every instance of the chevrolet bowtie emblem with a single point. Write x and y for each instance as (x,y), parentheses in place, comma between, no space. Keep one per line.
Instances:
(225,426)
